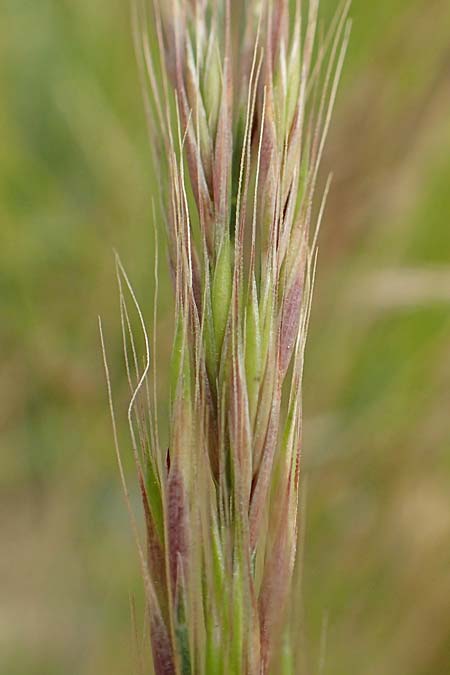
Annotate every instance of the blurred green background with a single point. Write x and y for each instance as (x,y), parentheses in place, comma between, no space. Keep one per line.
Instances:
(76,181)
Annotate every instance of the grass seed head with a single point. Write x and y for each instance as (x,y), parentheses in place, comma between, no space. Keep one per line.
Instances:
(241,96)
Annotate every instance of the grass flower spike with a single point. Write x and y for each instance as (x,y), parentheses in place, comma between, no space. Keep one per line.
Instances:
(240,96)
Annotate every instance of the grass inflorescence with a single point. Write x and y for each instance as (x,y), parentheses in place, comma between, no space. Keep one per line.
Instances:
(240,96)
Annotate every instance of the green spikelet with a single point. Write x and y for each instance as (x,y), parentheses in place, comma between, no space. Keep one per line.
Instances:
(221,292)
(253,351)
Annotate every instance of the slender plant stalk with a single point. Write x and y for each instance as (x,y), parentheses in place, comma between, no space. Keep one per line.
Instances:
(240,96)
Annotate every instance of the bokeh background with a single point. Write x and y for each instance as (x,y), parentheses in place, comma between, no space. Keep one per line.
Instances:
(76,181)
